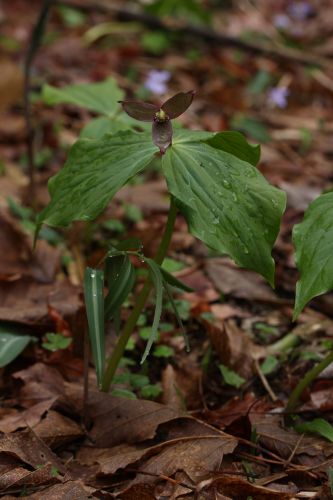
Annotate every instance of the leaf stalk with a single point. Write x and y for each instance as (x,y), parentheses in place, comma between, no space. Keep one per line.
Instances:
(131,322)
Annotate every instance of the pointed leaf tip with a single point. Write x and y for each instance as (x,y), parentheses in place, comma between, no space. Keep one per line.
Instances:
(178,104)
(142,111)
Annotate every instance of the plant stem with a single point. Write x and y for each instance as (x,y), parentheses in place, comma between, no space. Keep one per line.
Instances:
(306,381)
(140,303)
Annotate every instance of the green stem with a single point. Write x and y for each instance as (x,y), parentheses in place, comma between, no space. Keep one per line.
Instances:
(140,303)
(306,381)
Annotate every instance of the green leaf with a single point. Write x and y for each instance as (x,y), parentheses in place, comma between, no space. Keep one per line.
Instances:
(11,345)
(230,377)
(93,173)
(318,426)
(177,314)
(163,351)
(98,127)
(156,277)
(313,242)
(150,391)
(269,365)
(120,276)
(171,280)
(56,342)
(101,97)
(330,477)
(94,300)
(227,202)
(236,144)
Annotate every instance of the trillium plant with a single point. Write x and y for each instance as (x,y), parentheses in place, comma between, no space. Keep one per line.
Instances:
(212,180)
(160,116)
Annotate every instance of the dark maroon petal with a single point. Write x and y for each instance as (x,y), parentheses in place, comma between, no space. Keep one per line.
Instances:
(162,135)
(176,105)
(143,111)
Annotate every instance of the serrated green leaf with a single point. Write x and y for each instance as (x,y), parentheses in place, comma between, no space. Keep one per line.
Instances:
(101,97)
(156,277)
(236,144)
(94,171)
(11,345)
(94,300)
(230,377)
(313,242)
(120,276)
(227,202)
(318,426)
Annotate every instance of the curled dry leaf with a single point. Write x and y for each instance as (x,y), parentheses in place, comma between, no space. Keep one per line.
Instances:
(233,347)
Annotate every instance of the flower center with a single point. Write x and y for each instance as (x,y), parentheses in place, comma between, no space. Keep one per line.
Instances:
(161,116)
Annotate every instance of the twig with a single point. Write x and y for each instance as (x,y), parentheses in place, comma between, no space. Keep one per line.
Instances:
(292,454)
(264,381)
(36,37)
(209,35)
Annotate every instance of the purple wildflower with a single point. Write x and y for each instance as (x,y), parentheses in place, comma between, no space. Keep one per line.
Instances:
(278,96)
(281,21)
(156,81)
(300,11)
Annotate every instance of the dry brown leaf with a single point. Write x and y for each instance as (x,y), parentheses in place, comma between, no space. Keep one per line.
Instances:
(29,448)
(25,301)
(240,283)
(236,487)
(75,490)
(234,348)
(56,430)
(118,420)
(28,418)
(11,84)
(18,258)
(188,445)
(20,477)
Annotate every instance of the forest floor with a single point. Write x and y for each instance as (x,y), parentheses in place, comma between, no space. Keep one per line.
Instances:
(208,424)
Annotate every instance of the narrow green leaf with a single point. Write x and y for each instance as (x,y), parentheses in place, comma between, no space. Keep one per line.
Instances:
(120,276)
(227,202)
(330,477)
(94,300)
(11,345)
(236,144)
(230,377)
(178,318)
(156,277)
(101,97)
(318,426)
(94,171)
(313,242)
(171,280)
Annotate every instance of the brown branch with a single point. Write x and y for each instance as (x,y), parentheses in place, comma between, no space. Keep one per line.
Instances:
(278,52)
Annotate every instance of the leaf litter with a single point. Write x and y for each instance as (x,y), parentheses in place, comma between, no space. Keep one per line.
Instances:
(202,438)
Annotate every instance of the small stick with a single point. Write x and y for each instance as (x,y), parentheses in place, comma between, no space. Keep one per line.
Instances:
(265,381)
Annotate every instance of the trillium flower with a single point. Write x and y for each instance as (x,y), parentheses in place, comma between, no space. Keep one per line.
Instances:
(160,116)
